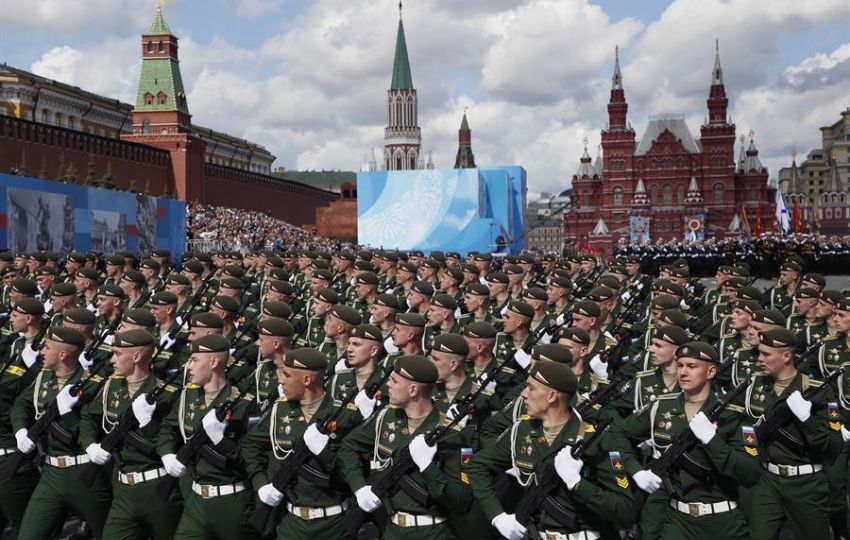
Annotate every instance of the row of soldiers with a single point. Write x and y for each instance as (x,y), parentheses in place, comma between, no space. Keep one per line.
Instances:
(384,394)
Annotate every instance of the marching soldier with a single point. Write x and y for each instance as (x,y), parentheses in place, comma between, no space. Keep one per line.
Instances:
(383,313)
(441,318)
(781,295)
(274,342)
(476,299)
(361,368)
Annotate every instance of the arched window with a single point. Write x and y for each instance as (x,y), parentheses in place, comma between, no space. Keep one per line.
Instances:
(161,98)
(653,194)
(719,192)
(680,193)
(828,213)
(667,194)
(150,46)
(618,196)
(146,127)
(161,47)
(148,98)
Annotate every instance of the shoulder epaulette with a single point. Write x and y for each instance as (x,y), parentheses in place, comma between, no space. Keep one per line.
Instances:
(116,377)
(192,386)
(645,373)
(94,378)
(671,395)
(248,397)
(735,408)
(525,417)
(282,398)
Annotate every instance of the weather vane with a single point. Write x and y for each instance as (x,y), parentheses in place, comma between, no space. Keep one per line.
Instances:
(161,3)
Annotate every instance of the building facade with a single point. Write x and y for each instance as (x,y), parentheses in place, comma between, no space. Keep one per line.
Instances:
(545,223)
(668,183)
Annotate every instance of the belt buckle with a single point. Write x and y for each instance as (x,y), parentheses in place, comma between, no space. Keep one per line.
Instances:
(205,491)
(551,536)
(784,471)
(62,462)
(402,520)
(694,509)
(131,479)
(304,513)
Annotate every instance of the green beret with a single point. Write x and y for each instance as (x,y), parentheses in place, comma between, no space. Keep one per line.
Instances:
(159,252)
(88,273)
(45,271)
(322,273)
(526,258)
(77,257)
(671,334)
(306,358)
(807,292)
(150,264)
(410,319)
(699,350)
(275,327)
(471,269)
(750,293)
(561,283)
(588,308)
(231,283)
(843,304)
(444,301)
(347,314)
(206,320)
(203,257)
(233,270)
(367,331)
(478,289)
(24,286)
(513,269)
(451,344)
(387,300)
(134,276)
(408,267)
(364,255)
(41,257)
(275,261)
(364,266)
(194,267)
(455,273)
(769,316)
(831,296)
(133,338)
(611,281)
(142,317)
(422,287)
(618,269)
(176,278)
(552,352)
(573,333)
(68,336)
(735,283)
(680,272)
(164,298)
(749,306)
(817,279)
(79,316)
(483,257)
(498,277)
(327,295)
(555,375)
(778,338)
(279,274)
(601,294)
(479,330)
(668,287)
(346,255)
(227,303)
(277,309)
(282,287)
(739,270)
(521,308)
(29,306)
(63,289)
(115,260)
(415,368)
(211,343)
(791,266)
(111,290)
(535,293)
(665,301)
(367,278)
(432,263)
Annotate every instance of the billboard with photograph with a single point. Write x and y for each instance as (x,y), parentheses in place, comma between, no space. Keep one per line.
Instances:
(442,209)
(41,215)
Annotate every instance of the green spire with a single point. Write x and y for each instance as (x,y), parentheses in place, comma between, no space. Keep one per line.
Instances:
(464,125)
(159,26)
(401,65)
(160,83)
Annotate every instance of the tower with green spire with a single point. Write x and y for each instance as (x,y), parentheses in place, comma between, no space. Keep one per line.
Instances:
(465,159)
(402,136)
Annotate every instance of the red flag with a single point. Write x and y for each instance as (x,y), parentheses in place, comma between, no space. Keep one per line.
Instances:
(758,222)
(798,224)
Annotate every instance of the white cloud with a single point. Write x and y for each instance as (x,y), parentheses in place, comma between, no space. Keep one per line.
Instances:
(255,8)
(64,17)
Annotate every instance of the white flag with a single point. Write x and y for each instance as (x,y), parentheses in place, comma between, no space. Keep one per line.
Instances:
(782,220)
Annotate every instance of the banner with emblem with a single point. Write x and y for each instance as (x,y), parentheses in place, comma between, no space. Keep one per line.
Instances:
(694,226)
(639,229)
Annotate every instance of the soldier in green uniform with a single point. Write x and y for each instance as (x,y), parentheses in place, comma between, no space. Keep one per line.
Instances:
(61,297)
(805,313)
(476,300)
(516,335)
(403,424)
(323,301)
(217,504)
(83,321)
(703,487)
(497,282)
(441,318)
(361,368)
(338,323)
(179,285)
(365,292)
(73,262)
(838,412)
(59,489)
(733,340)
(781,295)
(150,269)
(794,488)
(274,342)
(537,298)
(746,357)
(200,325)
(594,497)
(317,499)
(558,298)
(17,372)
(87,284)
(587,315)
(407,335)
(136,510)
(133,283)
(114,270)
(382,313)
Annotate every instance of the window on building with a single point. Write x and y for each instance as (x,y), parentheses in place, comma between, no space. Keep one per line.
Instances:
(667,194)
(828,213)
(618,196)
(653,194)
(146,127)
(148,98)
(161,46)
(150,46)
(161,98)
(719,192)
(680,193)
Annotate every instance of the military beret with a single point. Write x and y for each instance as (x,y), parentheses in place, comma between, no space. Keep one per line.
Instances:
(527,258)
(279,274)
(671,334)
(150,264)
(553,352)
(364,266)
(699,350)
(432,263)
(29,306)
(367,278)
(521,308)
(274,261)
(275,327)
(555,375)
(45,271)
(175,278)
(498,277)
(609,280)
(231,283)
(164,298)
(38,256)
(346,314)
(451,344)
(471,269)
(513,269)
(668,287)
(483,257)
(665,301)
(322,273)
(422,287)
(807,292)
(817,279)
(63,289)
(748,306)
(791,266)
(444,301)
(115,260)
(750,293)
(478,289)
(194,267)
(88,273)
(281,310)
(735,283)
(79,316)
(454,272)
(159,252)
(680,272)
(416,368)
(588,308)
(142,317)
(211,343)
(843,304)
(186,256)
(233,270)
(367,331)
(306,358)
(479,330)
(227,303)
(769,316)
(134,276)
(24,286)
(573,333)
(327,295)
(203,257)
(561,283)
(365,255)
(535,293)
(111,290)
(68,336)
(601,294)
(133,338)
(309,253)
(346,255)
(618,269)
(410,319)
(673,316)
(408,267)
(391,257)
(739,270)
(387,300)
(778,338)
(282,287)
(831,296)
(206,320)
(77,257)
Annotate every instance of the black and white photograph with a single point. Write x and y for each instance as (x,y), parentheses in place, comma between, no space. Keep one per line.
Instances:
(40,221)
(146,223)
(108,233)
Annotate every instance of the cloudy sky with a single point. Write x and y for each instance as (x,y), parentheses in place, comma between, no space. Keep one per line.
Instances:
(308,79)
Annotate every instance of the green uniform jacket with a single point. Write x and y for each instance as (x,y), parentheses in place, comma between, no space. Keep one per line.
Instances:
(14,379)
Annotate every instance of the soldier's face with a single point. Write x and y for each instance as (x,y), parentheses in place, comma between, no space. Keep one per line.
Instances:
(106,304)
(197,332)
(201,367)
(587,266)
(753,330)
(787,276)
(661,352)
(473,302)
(319,307)
(721,278)
(538,397)
(445,364)
(583,321)
(740,319)
(360,351)
(52,353)
(124,360)
(577,350)
(60,302)
(380,314)
(414,299)
(803,305)
(19,321)
(825,309)
(149,273)
(772,360)
(693,374)
(632,268)
(399,390)
(496,288)
(841,320)
(437,315)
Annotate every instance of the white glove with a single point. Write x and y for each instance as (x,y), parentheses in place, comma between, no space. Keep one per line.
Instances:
(109,339)
(801,407)
(522,358)
(270,495)
(29,355)
(366,500)
(98,455)
(172,466)
(702,427)
(599,368)
(48,305)
(508,526)
(85,361)
(179,321)
(560,320)
(166,342)
(546,338)
(568,467)
(65,401)
(142,410)
(453,412)
(389,346)
(232,352)
(365,405)
(92,308)
(315,440)
(845,434)
(626,296)
(647,480)
(340,366)
(25,444)
(421,453)
(214,427)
